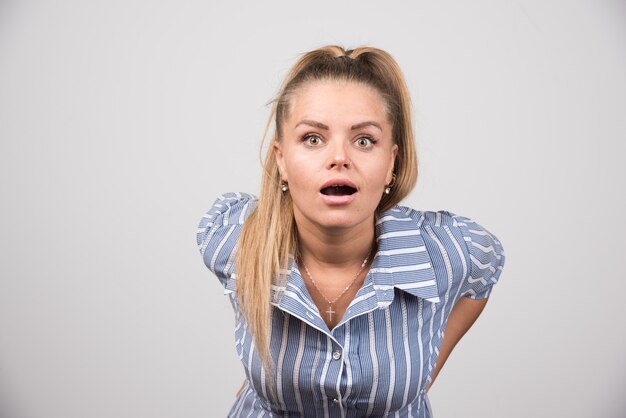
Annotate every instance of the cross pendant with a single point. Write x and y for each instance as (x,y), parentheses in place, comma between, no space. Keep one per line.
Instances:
(330,312)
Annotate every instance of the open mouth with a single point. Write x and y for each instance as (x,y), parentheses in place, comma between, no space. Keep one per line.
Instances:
(338,190)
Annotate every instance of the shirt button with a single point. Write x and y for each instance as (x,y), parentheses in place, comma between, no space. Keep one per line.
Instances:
(335,400)
(337,355)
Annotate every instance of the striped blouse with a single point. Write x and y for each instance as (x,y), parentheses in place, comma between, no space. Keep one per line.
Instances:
(378,360)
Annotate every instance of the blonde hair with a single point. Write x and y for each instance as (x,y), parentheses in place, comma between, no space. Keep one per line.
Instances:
(269,235)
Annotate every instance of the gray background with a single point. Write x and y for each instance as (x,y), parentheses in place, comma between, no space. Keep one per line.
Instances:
(121,121)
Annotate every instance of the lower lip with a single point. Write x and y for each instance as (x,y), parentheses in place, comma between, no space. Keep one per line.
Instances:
(338,200)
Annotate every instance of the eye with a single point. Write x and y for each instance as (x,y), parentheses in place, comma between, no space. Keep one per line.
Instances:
(312,140)
(365,142)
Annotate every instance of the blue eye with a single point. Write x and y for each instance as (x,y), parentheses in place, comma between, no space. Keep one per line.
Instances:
(364,142)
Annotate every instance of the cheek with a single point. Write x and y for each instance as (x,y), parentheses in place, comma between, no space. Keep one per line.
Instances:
(377,175)
(299,168)
(300,184)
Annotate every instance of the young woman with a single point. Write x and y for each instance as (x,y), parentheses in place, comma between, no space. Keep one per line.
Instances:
(341,296)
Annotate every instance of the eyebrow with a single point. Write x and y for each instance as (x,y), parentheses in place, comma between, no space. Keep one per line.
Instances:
(320,125)
(365,125)
(313,124)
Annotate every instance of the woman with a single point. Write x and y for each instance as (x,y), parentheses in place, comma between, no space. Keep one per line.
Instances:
(341,296)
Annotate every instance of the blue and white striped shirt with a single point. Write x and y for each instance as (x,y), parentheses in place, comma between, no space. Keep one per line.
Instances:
(379,359)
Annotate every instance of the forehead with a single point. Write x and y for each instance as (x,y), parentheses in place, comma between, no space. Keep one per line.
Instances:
(337,101)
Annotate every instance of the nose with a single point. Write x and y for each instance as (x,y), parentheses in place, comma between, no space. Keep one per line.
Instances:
(339,157)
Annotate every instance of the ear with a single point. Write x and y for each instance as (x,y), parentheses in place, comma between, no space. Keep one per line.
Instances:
(280,161)
(392,162)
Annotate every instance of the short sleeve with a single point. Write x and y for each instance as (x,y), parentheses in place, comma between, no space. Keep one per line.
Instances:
(486,259)
(218,234)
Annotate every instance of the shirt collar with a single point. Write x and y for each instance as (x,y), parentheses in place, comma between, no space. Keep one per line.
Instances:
(402,261)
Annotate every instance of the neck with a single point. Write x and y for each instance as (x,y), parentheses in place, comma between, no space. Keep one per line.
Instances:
(336,248)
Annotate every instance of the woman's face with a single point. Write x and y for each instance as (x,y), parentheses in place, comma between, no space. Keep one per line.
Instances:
(337,153)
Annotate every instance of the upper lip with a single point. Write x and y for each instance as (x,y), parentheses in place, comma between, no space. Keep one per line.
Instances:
(339,182)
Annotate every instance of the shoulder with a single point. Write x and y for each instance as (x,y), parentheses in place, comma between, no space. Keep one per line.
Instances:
(479,250)
(441,233)
(230,208)
(219,229)
(424,218)
(486,257)
(468,227)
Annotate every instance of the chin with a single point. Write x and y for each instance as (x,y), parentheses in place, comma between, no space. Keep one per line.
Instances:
(342,219)
(337,217)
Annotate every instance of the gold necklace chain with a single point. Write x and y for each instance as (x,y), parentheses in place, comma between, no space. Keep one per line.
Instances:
(330,310)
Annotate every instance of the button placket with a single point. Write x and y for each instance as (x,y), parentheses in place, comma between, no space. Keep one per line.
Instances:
(337,366)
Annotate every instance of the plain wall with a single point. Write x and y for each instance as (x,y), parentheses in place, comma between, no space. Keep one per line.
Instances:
(121,121)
